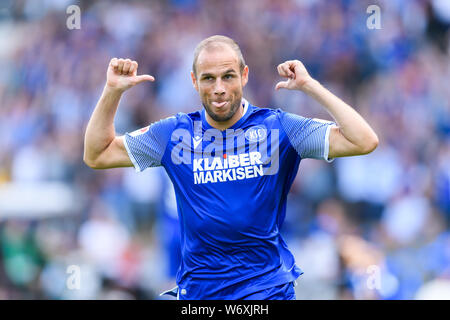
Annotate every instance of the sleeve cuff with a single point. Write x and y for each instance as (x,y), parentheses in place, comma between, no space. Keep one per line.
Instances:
(327,144)
(133,160)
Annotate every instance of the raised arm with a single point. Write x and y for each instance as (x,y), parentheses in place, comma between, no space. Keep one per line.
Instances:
(102,148)
(353,135)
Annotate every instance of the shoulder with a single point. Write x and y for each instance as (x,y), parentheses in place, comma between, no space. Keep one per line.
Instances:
(192,116)
(266,114)
(179,120)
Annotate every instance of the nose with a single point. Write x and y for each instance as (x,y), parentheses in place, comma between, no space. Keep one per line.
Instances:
(219,88)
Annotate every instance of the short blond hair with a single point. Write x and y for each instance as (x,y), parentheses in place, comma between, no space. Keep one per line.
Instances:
(214,40)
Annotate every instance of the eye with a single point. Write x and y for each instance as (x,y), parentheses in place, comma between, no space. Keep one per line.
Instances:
(228,76)
(207,78)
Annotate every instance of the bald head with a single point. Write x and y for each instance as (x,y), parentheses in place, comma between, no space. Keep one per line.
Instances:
(218,42)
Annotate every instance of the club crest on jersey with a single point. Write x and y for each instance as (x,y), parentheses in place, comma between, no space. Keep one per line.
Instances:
(256,133)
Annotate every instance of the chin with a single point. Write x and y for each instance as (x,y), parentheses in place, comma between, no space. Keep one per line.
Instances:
(221,118)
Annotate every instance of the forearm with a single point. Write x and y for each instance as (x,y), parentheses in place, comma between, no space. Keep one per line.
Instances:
(100,130)
(351,124)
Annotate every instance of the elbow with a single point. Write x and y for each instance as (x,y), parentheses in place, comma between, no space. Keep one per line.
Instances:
(370,144)
(90,163)
(91,158)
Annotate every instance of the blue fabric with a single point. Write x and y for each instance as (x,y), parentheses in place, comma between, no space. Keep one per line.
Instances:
(146,146)
(306,135)
(282,292)
(231,188)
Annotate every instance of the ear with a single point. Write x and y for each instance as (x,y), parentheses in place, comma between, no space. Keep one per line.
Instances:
(194,81)
(244,77)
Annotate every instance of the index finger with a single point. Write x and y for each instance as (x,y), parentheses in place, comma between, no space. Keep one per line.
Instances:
(113,62)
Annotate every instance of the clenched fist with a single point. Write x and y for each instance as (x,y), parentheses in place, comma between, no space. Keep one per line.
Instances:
(296,73)
(122,74)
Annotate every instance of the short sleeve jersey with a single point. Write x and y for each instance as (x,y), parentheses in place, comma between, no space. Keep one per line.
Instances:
(231,189)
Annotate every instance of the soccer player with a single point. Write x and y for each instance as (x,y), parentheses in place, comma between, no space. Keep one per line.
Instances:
(232,165)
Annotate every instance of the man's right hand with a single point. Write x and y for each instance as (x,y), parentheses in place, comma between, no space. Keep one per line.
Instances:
(122,75)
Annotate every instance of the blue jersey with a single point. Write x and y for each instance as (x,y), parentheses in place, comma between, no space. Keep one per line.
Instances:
(231,188)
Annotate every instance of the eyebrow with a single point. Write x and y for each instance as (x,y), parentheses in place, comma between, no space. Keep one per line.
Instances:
(203,75)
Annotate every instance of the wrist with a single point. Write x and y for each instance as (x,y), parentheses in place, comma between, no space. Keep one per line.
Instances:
(311,86)
(113,91)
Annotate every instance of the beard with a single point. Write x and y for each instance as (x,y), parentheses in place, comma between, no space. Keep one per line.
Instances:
(234,105)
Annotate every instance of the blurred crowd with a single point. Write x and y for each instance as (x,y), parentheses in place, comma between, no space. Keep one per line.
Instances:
(366,227)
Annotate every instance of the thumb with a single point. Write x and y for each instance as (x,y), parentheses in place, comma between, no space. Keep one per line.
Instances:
(144,77)
(282,85)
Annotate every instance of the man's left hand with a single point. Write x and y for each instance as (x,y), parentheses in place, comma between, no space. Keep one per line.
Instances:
(296,74)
